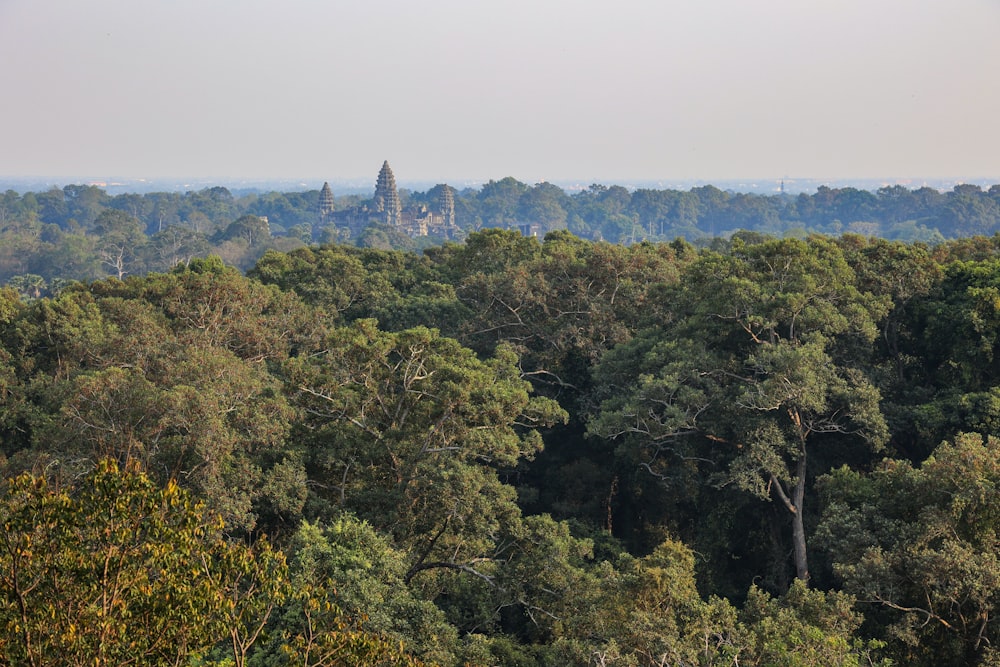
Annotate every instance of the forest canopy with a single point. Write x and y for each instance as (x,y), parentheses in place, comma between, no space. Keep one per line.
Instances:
(504,449)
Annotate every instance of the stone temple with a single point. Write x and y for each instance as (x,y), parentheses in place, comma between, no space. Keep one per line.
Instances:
(385,207)
(386,200)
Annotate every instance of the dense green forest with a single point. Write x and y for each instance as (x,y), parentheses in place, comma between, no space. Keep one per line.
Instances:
(80,232)
(509,451)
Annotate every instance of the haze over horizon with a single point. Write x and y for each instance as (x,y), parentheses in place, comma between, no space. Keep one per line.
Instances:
(449,90)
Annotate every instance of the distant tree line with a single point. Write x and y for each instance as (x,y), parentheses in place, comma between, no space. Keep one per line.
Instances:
(79,232)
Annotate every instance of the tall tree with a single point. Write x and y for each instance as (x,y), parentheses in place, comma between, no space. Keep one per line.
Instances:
(120,236)
(544,204)
(498,201)
(410,431)
(749,375)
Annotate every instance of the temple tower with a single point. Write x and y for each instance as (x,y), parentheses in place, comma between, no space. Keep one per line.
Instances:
(326,206)
(386,200)
(446,204)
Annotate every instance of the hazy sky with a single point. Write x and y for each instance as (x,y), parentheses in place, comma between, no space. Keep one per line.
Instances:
(536,89)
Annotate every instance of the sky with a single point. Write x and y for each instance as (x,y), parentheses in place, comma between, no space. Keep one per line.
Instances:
(459,90)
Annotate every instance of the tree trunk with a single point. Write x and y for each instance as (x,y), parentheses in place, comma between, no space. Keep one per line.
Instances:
(778,550)
(798,525)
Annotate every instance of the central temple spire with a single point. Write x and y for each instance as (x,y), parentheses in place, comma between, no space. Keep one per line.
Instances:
(326,205)
(386,199)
